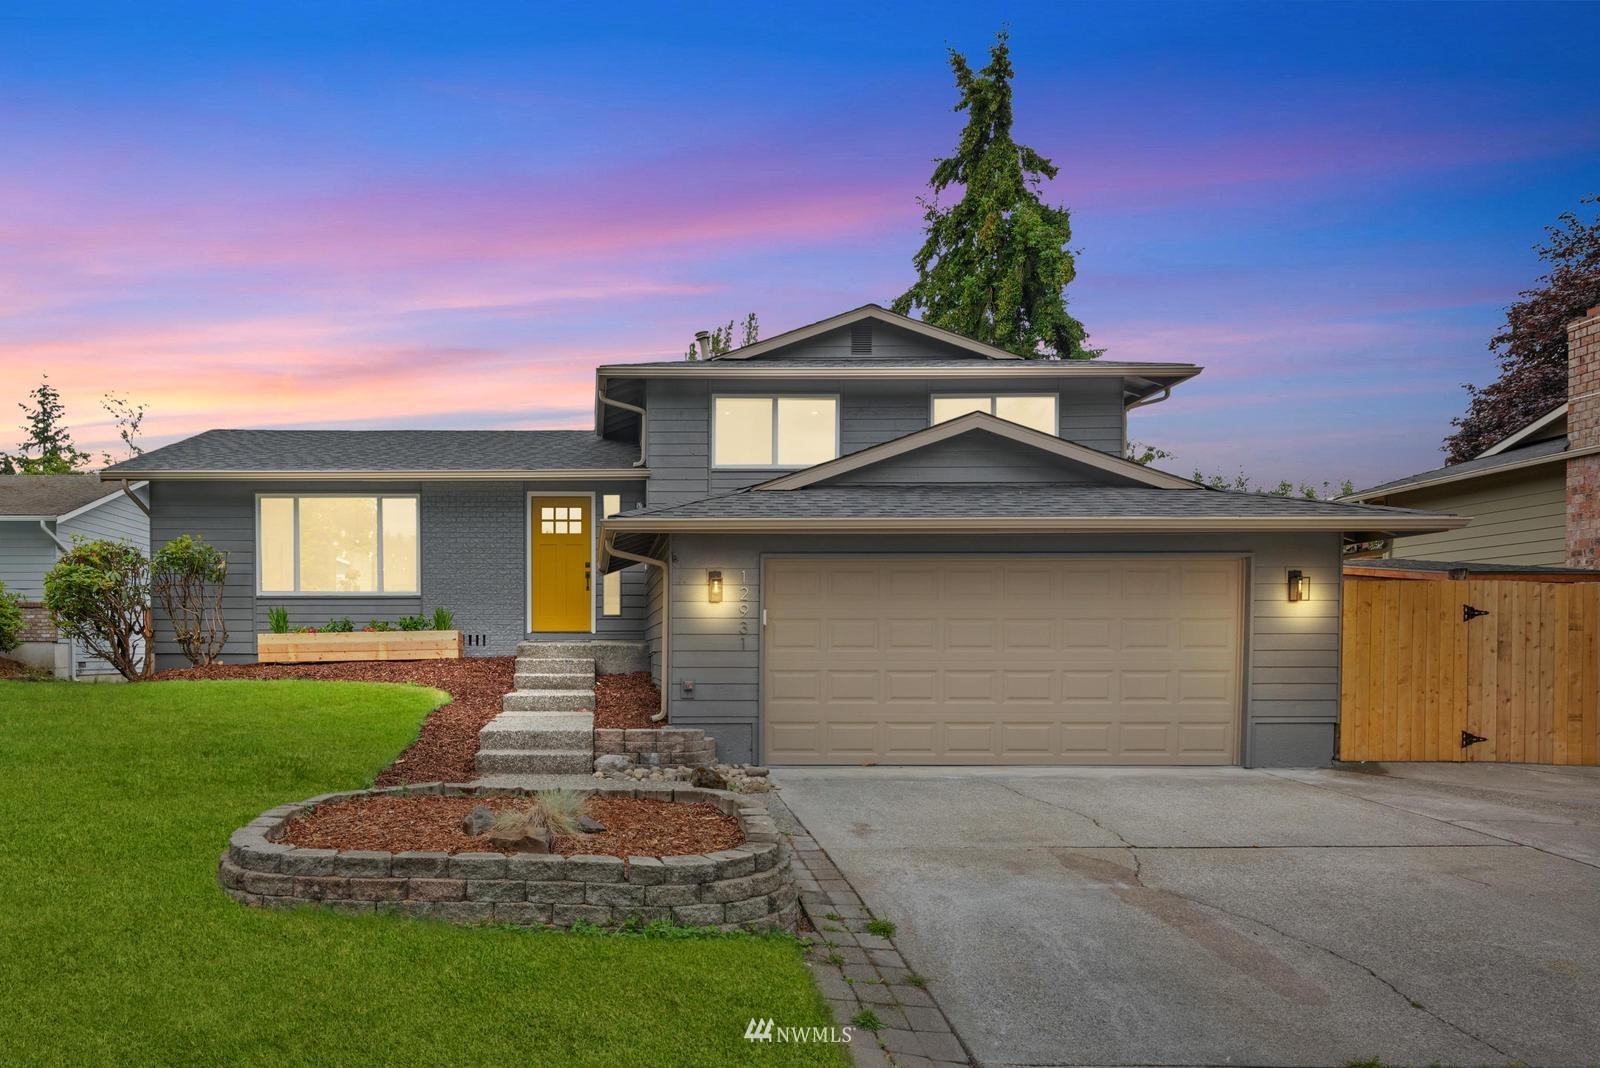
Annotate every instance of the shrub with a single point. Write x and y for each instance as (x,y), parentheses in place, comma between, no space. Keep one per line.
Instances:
(10,620)
(443,619)
(278,620)
(99,594)
(412,623)
(187,575)
(379,625)
(339,626)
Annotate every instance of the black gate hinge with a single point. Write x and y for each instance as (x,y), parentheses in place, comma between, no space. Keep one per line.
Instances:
(1468,739)
(1469,613)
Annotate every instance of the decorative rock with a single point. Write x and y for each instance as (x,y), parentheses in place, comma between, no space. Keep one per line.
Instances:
(612,762)
(708,779)
(590,826)
(478,821)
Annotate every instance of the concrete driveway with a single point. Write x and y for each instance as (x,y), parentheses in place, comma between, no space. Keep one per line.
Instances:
(1082,916)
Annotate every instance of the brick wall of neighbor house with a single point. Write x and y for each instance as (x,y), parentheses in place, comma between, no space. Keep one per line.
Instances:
(36,625)
(1583,431)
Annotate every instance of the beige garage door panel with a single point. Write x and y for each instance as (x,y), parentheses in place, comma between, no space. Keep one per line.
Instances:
(963,660)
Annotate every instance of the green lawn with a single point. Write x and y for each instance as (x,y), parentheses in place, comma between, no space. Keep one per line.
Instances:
(105,963)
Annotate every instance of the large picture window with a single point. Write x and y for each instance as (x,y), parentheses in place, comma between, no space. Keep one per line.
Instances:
(774,431)
(337,544)
(1036,410)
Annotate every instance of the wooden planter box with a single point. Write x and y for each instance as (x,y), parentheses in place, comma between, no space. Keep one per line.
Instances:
(358,645)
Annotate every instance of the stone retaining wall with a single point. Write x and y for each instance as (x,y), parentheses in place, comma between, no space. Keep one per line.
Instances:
(657,746)
(749,887)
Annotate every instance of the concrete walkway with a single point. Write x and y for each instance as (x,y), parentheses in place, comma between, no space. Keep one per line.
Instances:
(1226,916)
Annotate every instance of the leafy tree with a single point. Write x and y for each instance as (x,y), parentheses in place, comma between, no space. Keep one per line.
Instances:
(129,419)
(1145,455)
(99,594)
(187,576)
(1532,345)
(10,620)
(721,339)
(995,265)
(47,449)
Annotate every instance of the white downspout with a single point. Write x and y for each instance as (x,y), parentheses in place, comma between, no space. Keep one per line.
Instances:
(666,614)
(72,654)
(600,395)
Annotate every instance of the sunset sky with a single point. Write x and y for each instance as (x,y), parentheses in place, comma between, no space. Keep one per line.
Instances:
(430,215)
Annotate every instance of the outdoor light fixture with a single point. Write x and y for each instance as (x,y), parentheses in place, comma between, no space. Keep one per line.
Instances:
(714,587)
(1299,586)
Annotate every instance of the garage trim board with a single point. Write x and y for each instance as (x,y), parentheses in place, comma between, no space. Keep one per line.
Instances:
(1120,659)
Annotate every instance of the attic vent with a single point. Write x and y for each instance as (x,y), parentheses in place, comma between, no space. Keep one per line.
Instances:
(861,338)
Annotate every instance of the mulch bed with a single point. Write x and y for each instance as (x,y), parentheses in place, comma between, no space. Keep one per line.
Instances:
(634,826)
(446,748)
(626,702)
(16,669)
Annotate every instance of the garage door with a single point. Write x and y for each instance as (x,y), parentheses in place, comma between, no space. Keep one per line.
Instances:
(1001,660)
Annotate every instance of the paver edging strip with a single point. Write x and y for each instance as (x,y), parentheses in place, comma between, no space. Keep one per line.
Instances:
(749,887)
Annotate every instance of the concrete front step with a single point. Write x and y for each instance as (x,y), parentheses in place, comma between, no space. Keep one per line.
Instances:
(535,761)
(527,680)
(555,665)
(548,701)
(556,650)
(546,730)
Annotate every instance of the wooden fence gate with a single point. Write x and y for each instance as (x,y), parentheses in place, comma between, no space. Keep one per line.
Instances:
(1481,668)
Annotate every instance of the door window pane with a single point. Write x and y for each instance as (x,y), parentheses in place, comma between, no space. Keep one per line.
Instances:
(743,432)
(400,545)
(338,544)
(1037,412)
(807,430)
(948,408)
(277,545)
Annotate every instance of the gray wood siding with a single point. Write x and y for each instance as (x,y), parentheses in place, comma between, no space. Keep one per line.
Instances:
(1291,650)
(474,560)
(25,555)
(888,341)
(971,459)
(678,450)
(1516,519)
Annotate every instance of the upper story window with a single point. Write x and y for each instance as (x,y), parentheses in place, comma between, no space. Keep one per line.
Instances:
(1036,410)
(774,431)
(337,544)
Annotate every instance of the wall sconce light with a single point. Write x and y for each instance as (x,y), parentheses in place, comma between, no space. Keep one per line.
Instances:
(1299,586)
(714,587)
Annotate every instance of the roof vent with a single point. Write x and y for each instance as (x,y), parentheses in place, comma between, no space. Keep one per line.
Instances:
(861,338)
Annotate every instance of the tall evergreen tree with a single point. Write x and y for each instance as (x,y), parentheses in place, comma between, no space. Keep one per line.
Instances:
(995,265)
(48,447)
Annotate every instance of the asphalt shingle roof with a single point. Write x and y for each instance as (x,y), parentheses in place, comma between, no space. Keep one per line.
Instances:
(1480,465)
(1009,502)
(385,450)
(50,495)
(1470,568)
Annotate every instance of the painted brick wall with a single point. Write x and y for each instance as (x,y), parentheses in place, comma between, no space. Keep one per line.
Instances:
(1583,431)
(473,559)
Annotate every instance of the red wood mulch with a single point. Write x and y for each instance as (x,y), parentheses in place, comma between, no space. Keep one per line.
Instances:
(626,701)
(448,744)
(634,826)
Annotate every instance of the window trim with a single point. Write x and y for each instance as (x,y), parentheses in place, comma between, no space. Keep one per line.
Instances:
(773,398)
(336,594)
(1055,399)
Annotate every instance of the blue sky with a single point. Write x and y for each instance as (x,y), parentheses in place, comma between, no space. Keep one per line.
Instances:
(446,215)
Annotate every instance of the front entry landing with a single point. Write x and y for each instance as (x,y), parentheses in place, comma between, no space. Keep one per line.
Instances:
(561,566)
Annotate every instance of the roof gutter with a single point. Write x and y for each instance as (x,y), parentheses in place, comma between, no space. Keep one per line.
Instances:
(569,474)
(644,424)
(608,549)
(1045,524)
(980,369)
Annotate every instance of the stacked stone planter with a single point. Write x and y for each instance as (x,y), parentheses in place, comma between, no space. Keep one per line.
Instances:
(749,887)
(663,747)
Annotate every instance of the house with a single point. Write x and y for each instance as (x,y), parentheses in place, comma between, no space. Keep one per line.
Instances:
(1534,497)
(867,539)
(40,515)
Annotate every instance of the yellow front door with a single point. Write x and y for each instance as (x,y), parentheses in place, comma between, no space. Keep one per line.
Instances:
(561,567)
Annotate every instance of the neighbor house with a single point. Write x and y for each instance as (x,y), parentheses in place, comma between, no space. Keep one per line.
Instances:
(1534,497)
(865,540)
(40,515)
